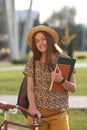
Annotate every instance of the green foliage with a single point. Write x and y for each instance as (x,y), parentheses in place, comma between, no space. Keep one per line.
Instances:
(16,62)
(61,16)
(36,21)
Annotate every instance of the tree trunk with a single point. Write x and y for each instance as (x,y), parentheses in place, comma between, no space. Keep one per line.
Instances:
(26,28)
(70,50)
(12,29)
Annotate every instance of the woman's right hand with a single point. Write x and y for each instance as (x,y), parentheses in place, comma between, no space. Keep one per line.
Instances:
(35,112)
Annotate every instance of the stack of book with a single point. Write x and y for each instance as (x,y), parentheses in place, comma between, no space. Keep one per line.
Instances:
(66,65)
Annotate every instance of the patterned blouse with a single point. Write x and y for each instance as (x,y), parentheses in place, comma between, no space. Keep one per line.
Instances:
(45,99)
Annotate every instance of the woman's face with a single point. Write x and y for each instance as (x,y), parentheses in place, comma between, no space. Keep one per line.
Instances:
(41,42)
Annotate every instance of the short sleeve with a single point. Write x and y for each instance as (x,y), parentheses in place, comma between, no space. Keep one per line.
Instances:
(29,71)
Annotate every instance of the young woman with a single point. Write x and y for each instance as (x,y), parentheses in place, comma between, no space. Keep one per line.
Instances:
(40,72)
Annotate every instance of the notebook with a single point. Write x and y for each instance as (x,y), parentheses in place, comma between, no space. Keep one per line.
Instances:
(66,65)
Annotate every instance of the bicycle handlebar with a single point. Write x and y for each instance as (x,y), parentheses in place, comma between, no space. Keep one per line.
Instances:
(10,106)
(25,111)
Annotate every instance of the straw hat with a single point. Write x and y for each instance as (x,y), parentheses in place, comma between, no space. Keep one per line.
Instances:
(47,29)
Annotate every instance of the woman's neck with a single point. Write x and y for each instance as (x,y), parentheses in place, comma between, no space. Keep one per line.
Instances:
(42,59)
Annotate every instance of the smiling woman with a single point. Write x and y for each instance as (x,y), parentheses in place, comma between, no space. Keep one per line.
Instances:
(39,71)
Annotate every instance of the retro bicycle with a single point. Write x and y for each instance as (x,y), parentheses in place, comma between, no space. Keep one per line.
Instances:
(5,124)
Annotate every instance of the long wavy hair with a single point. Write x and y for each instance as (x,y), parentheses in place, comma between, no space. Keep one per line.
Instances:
(50,50)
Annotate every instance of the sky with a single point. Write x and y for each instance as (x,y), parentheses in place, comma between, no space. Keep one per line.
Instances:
(46,7)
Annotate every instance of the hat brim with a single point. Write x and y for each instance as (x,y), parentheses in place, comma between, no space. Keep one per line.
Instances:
(47,29)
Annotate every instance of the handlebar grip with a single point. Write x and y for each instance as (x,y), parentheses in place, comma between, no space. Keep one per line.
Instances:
(35,116)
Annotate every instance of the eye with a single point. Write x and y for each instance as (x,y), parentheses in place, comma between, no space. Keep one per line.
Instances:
(44,39)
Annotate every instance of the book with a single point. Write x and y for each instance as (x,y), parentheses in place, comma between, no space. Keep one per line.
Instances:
(66,65)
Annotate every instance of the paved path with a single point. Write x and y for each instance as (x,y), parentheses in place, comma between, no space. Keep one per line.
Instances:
(21,67)
(74,101)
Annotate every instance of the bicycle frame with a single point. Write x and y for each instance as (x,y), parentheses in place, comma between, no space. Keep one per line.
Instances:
(5,123)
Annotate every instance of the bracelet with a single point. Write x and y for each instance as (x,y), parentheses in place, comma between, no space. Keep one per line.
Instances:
(63,80)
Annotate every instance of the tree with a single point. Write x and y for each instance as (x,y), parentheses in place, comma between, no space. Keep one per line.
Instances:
(11,21)
(24,45)
(65,15)
(67,40)
(13,30)
(63,19)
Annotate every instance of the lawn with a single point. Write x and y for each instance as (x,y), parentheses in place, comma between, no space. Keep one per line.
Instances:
(81,81)
(10,81)
(81,56)
(78,119)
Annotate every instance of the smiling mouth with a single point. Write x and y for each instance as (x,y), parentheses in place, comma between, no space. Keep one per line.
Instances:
(42,46)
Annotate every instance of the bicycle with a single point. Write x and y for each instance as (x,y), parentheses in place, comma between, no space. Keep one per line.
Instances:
(7,107)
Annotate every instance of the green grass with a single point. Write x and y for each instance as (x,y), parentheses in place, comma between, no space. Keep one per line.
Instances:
(78,119)
(10,81)
(81,56)
(81,81)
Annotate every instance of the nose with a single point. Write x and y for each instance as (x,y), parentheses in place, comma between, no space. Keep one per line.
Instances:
(40,42)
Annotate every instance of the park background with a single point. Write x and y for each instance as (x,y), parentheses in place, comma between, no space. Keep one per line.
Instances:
(14,51)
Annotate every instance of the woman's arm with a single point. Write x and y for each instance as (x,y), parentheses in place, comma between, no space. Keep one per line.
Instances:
(30,92)
(68,85)
(31,97)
